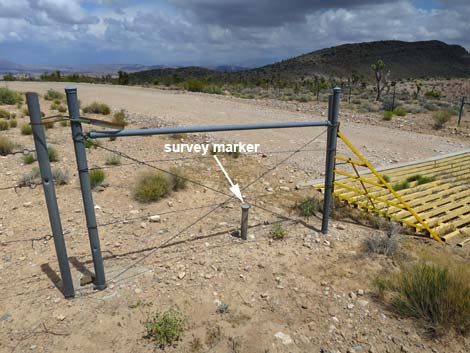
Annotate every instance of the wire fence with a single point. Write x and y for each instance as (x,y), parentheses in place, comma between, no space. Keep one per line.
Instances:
(213,207)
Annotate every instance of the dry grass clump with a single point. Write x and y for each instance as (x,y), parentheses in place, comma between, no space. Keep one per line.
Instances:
(26,129)
(441,117)
(120,118)
(97,108)
(152,186)
(97,177)
(10,97)
(6,146)
(53,95)
(4,125)
(59,176)
(435,291)
(381,244)
(166,328)
(4,114)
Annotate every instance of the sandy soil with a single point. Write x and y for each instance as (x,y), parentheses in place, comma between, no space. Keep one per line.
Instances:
(314,289)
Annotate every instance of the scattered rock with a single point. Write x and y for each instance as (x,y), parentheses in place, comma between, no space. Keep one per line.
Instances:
(155,219)
(181,275)
(60,317)
(285,338)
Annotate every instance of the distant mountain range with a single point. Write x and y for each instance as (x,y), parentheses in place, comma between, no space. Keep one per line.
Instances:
(7,66)
(408,60)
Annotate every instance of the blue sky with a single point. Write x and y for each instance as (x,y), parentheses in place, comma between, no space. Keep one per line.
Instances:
(214,32)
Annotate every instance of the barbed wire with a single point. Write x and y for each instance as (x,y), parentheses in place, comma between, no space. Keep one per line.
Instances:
(230,197)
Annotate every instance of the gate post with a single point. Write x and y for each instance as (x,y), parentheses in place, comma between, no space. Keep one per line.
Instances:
(82,165)
(333,112)
(49,192)
(462,104)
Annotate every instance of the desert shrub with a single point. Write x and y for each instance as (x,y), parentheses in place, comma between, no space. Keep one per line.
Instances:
(62,109)
(97,177)
(6,146)
(400,111)
(97,108)
(213,89)
(25,111)
(441,117)
(387,104)
(10,97)
(91,144)
(55,105)
(177,179)
(303,98)
(166,328)
(438,294)
(222,308)
(356,101)
(4,125)
(278,231)
(152,186)
(54,95)
(388,115)
(381,244)
(309,206)
(26,129)
(60,177)
(53,154)
(4,114)
(13,123)
(64,123)
(433,94)
(113,159)
(194,85)
(29,158)
(420,179)
(401,185)
(120,118)
(386,178)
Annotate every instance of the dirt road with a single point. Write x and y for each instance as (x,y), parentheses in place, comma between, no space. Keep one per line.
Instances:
(380,144)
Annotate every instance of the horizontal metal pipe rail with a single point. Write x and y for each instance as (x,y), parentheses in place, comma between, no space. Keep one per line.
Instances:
(208,128)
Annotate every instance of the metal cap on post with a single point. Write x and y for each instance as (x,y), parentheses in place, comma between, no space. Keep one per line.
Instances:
(333,113)
(244,226)
(49,192)
(82,165)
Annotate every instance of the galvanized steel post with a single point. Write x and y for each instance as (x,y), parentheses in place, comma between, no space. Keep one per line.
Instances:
(244,225)
(333,112)
(49,192)
(82,165)
(462,104)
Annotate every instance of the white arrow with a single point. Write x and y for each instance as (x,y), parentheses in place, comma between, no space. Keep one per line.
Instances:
(235,189)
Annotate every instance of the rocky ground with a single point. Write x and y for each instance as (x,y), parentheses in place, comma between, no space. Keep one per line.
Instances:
(305,293)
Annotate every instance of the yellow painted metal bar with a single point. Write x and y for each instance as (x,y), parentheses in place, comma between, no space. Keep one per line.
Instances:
(387,185)
(349,160)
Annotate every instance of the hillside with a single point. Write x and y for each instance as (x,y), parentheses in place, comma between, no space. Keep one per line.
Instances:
(404,60)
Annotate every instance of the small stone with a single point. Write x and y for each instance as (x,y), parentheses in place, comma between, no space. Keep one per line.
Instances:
(284,188)
(154,219)
(350,306)
(28,204)
(264,295)
(181,275)
(86,279)
(352,295)
(170,204)
(143,225)
(137,291)
(60,317)
(340,227)
(285,338)
(360,292)
(363,302)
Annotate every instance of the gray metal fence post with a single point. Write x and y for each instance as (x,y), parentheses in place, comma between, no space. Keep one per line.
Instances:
(49,192)
(82,165)
(333,110)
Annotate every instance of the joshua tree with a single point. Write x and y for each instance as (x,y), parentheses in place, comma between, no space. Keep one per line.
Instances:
(380,78)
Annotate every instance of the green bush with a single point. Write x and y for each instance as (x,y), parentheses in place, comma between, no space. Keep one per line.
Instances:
(152,186)
(401,185)
(400,111)
(4,125)
(54,95)
(177,179)
(278,232)
(97,177)
(194,85)
(91,144)
(120,118)
(4,114)
(113,159)
(166,328)
(420,179)
(309,206)
(213,89)
(13,123)
(48,125)
(6,146)
(433,94)
(9,97)
(26,129)
(62,109)
(53,154)
(97,108)
(29,158)
(388,115)
(437,294)
(441,117)
(386,178)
